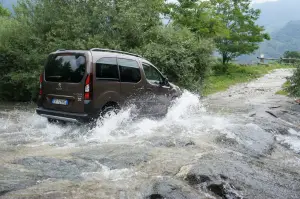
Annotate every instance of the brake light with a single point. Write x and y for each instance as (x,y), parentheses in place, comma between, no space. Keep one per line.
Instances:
(41,81)
(88,87)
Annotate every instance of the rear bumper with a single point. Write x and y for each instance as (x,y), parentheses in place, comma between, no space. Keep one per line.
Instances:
(64,116)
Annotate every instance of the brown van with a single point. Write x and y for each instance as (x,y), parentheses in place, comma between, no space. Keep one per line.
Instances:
(81,85)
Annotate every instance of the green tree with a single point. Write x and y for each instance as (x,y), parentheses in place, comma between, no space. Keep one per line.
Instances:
(244,34)
(198,16)
(180,54)
(291,56)
(4,12)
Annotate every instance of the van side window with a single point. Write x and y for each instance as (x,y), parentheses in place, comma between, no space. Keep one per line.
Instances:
(129,70)
(107,68)
(152,75)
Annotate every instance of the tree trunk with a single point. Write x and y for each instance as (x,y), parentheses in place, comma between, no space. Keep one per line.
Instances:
(225,58)
(225,62)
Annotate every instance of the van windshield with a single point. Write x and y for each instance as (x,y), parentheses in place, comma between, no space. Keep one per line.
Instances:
(65,68)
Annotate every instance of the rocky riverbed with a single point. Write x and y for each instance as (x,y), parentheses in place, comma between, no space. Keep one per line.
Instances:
(241,143)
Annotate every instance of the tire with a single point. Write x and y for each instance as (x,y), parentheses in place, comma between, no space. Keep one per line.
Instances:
(51,121)
(54,121)
(104,113)
(108,111)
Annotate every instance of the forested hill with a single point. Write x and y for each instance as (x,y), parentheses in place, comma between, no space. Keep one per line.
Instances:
(275,14)
(282,20)
(286,39)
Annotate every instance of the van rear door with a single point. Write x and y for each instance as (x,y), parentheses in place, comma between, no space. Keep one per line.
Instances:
(64,82)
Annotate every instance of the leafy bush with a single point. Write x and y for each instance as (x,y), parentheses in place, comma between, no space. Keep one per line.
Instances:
(294,88)
(183,57)
(20,63)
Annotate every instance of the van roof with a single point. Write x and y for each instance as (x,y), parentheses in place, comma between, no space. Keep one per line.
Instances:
(100,50)
(107,52)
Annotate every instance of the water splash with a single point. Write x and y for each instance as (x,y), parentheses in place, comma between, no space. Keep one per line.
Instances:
(292,140)
(186,116)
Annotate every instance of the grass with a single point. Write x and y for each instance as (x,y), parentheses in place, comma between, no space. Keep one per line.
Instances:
(283,91)
(237,74)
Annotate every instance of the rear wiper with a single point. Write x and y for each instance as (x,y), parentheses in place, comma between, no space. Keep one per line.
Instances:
(57,77)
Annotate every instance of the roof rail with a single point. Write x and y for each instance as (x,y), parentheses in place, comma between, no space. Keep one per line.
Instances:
(115,51)
(60,50)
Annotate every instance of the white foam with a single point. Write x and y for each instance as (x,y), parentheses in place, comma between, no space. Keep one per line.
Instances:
(291,141)
(187,117)
(112,174)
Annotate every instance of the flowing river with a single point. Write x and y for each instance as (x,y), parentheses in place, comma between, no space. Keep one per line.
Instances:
(241,143)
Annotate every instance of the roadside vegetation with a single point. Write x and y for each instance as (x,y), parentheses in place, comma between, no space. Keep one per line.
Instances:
(284,91)
(294,83)
(180,39)
(292,86)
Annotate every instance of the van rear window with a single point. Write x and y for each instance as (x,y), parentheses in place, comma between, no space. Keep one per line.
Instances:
(65,68)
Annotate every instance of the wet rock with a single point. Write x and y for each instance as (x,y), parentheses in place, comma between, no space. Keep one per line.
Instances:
(125,156)
(193,179)
(168,188)
(155,196)
(247,138)
(14,179)
(217,189)
(226,140)
(223,177)
(282,131)
(272,114)
(171,142)
(252,114)
(235,175)
(273,107)
(224,190)
(46,167)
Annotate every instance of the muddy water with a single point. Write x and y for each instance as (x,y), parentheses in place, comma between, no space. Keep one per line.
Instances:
(242,143)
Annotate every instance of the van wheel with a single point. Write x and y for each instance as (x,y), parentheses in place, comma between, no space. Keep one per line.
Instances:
(106,112)
(54,121)
(109,111)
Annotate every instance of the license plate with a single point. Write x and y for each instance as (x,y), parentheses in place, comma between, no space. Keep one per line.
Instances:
(60,102)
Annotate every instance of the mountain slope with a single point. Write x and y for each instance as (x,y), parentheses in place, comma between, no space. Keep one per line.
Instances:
(275,14)
(287,38)
(282,20)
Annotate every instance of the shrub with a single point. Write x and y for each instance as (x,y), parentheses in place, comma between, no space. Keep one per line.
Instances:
(294,88)
(183,57)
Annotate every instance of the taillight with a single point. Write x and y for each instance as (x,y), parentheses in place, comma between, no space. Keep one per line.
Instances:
(41,86)
(88,87)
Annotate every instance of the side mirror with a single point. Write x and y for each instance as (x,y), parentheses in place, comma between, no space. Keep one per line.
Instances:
(166,81)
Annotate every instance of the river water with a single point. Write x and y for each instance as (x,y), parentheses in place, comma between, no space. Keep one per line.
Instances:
(242,143)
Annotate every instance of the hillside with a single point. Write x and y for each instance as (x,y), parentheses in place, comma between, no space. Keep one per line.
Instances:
(286,38)
(275,14)
(282,20)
